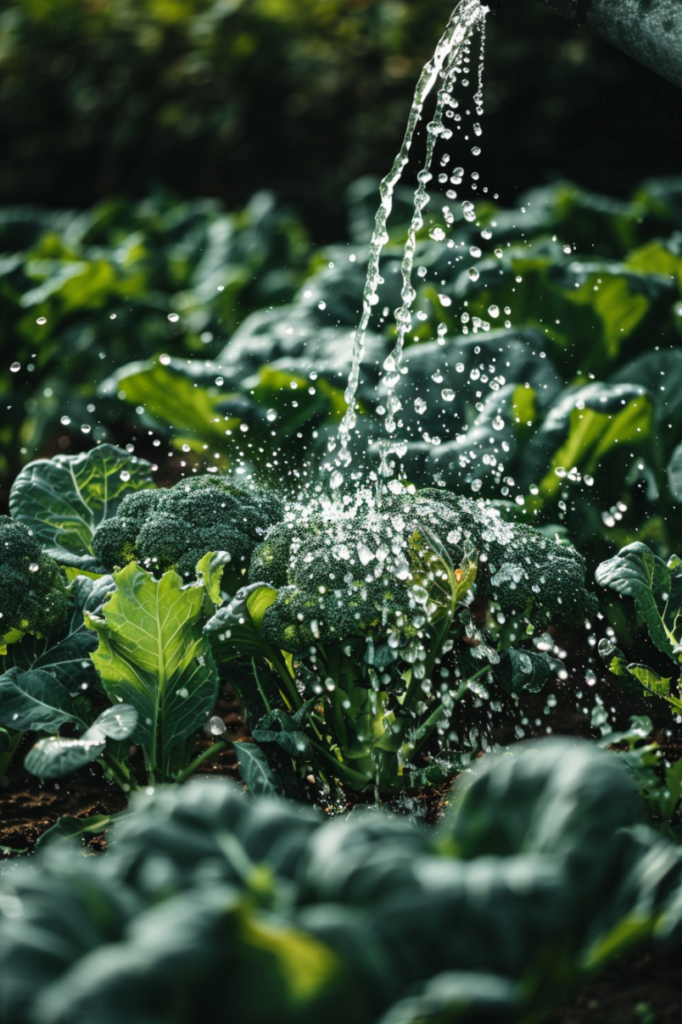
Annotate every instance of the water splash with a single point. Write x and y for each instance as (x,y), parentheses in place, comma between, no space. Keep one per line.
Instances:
(466,17)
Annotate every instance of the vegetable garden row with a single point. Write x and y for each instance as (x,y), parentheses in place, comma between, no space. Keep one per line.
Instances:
(171,546)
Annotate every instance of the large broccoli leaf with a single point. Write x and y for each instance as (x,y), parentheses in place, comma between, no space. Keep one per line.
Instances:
(153,655)
(64,499)
(656,587)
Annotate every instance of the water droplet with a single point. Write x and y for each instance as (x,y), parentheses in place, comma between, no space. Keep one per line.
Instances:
(173,317)
(475,150)
(15,367)
(469,210)
(498,423)
(475,251)
(271,415)
(33,567)
(422,271)
(125,476)
(65,420)
(41,320)
(567,249)
(437,234)
(336,480)
(476,485)
(494,311)
(322,304)
(499,253)
(448,395)
(474,273)
(477,129)
(445,301)
(216,726)
(420,406)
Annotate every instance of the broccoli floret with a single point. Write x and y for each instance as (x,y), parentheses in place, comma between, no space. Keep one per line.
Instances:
(519,567)
(336,579)
(173,528)
(364,574)
(33,595)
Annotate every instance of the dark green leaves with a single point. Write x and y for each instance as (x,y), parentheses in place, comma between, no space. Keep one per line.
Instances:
(655,586)
(529,671)
(64,499)
(254,770)
(35,700)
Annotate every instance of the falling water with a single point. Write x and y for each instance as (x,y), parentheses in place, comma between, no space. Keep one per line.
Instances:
(466,17)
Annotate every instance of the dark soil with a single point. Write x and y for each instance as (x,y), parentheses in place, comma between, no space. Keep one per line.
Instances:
(644,988)
(28,807)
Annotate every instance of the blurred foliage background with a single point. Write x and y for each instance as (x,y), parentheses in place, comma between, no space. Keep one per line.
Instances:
(223,97)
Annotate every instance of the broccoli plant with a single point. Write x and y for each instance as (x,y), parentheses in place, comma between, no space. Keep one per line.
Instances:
(33,597)
(656,587)
(134,668)
(175,527)
(361,619)
(34,604)
(48,685)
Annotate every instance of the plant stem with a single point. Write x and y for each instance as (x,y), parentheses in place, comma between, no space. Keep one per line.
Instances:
(120,773)
(260,686)
(217,748)
(9,754)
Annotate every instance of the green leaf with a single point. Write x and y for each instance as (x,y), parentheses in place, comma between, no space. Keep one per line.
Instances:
(656,588)
(674,472)
(585,425)
(288,736)
(154,656)
(258,602)
(254,770)
(55,756)
(68,827)
(117,723)
(169,393)
(528,671)
(35,700)
(64,499)
(210,570)
(232,630)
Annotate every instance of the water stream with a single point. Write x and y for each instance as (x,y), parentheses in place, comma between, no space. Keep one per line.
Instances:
(445,65)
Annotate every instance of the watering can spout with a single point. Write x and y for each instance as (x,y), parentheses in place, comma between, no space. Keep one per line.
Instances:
(648,30)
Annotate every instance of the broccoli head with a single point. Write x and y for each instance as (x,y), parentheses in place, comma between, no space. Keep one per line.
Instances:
(173,528)
(33,595)
(519,567)
(363,573)
(337,577)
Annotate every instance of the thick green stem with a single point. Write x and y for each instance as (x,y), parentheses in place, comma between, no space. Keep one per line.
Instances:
(119,772)
(9,754)
(217,748)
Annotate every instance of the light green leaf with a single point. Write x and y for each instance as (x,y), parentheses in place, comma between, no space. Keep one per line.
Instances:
(67,827)
(64,499)
(169,393)
(153,656)
(233,631)
(210,569)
